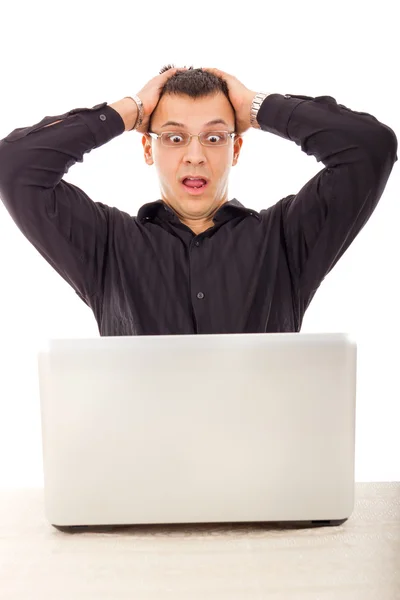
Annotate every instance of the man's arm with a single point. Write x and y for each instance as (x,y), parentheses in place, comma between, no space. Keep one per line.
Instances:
(64,225)
(127,110)
(323,218)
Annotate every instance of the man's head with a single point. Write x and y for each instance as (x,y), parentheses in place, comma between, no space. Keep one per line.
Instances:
(193,98)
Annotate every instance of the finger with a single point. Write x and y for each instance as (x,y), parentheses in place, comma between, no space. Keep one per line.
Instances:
(216,72)
(170,72)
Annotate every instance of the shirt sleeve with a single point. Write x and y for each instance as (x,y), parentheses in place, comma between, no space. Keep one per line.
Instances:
(323,218)
(65,226)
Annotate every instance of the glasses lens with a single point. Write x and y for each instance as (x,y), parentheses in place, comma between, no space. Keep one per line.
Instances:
(214,138)
(175,139)
(208,138)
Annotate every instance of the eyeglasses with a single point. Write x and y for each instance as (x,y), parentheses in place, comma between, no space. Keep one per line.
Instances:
(173,139)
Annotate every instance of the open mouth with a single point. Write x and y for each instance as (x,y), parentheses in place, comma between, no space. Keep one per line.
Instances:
(195,187)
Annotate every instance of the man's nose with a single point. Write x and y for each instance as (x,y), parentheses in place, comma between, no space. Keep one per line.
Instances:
(195,148)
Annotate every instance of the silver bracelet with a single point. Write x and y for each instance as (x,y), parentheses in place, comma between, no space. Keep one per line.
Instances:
(139,105)
(255,107)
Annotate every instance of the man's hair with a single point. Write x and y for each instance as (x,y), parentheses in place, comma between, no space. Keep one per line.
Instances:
(194,83)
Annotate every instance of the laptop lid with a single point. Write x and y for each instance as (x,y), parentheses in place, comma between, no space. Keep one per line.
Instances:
(198,428)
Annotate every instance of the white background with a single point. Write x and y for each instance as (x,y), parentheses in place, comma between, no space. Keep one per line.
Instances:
(55,57)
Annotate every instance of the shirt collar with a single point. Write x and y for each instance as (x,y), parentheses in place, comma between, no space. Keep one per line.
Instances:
(160,209)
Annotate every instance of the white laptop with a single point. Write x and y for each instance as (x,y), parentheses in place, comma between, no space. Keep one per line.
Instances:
(198,428)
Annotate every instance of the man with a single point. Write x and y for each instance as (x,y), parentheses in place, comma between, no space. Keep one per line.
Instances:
(193,261)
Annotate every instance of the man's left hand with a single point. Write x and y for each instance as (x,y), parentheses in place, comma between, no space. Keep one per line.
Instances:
(241,98)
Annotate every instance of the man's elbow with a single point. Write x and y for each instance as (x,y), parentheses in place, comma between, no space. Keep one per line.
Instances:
(388,144)
(381,153)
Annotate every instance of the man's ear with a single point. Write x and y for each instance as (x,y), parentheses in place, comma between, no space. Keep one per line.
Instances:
(236,149)
(148,150)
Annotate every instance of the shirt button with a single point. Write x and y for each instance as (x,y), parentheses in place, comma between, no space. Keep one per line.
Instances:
(197,243)
(103,117)
(200,295)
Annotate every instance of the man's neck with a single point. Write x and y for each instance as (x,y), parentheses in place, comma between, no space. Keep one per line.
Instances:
(198,228)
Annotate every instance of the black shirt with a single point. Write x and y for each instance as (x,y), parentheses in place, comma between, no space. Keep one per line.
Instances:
(149,274)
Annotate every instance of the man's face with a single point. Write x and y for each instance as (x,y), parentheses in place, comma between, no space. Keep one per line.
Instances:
(174,163)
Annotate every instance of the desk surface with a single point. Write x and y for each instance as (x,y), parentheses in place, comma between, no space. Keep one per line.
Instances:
(358,560)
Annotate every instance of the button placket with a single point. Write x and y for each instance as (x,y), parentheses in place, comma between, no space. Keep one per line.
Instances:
(199,295)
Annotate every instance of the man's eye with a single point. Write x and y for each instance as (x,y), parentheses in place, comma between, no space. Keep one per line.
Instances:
(213,135)
(176,136)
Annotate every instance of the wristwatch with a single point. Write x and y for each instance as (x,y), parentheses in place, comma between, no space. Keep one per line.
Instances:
(139,104)
(255,106)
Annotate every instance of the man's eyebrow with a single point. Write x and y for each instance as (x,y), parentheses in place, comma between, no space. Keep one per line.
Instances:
(213,122)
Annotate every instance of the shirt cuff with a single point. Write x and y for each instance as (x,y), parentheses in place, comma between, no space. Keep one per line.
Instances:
(275,112)
(104,122)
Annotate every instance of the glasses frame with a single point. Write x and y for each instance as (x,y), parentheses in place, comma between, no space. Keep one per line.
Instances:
(191,135)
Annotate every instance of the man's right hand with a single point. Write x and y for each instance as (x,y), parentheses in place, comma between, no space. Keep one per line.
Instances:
(150,95)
